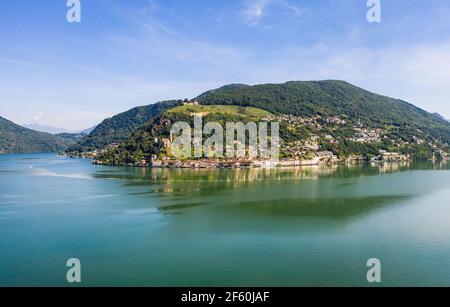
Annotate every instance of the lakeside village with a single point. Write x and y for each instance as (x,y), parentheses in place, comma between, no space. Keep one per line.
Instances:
(297,153)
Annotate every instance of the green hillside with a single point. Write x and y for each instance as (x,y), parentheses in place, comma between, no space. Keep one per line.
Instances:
(141,144)
(120,127)
(17,139)
(331,98)
(315,117)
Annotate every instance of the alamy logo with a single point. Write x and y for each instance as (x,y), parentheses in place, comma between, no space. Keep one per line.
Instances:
(74,12)
(374,13)
(74,273)
(374,273)
(243,140)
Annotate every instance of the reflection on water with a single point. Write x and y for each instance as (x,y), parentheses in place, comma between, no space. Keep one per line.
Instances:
(255,174)
(319,191)
(336,208)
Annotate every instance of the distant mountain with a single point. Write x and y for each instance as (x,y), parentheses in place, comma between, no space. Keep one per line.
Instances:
(72,137)
(330,98)
(88,131)
(18,139)
(120,127)
(47,129)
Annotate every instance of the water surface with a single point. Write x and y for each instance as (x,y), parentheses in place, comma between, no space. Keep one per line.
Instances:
(289,227)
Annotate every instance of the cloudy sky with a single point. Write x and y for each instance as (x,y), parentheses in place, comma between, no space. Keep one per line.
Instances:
(126,53)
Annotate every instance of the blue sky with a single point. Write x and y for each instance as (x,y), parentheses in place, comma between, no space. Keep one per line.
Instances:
(126,53)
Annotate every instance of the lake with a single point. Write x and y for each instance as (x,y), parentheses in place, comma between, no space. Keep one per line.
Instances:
(248,227)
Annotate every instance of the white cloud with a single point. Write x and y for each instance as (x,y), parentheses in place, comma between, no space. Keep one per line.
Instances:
(254,10)
(38,116)
(296,9)
(20,62)
(144,18)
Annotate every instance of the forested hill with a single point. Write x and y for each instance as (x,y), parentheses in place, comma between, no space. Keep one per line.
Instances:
(17,139)
(306,99)
(120,127)
(330,98)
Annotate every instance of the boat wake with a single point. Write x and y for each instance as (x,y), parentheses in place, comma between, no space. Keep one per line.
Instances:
(47,173)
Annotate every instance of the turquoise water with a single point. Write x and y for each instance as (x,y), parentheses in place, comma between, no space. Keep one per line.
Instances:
(144,227)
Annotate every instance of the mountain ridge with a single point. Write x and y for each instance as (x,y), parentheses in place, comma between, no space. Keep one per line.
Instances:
(119,127)
(328,98)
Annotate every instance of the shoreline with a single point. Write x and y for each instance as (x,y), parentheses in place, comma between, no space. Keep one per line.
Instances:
(327,161)
(280,165)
